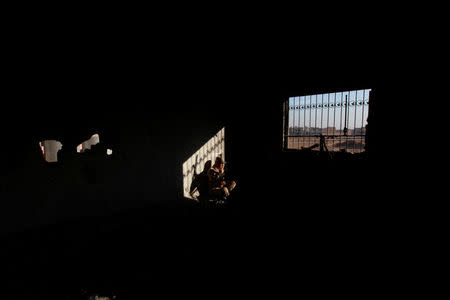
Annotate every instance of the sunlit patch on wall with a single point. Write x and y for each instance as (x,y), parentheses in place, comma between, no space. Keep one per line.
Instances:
(50,149)
(194,165)
(95,139)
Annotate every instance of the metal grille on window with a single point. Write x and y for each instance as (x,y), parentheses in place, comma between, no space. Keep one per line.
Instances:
(334,121)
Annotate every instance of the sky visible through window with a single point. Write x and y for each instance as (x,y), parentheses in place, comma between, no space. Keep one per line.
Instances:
(327,111)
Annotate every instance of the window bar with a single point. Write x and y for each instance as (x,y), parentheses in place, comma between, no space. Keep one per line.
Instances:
(354,123)
(284,125)
(345,115)
(298,138)
(317,114)
(355,146)
(297,120)
(349,136)
(311,138)
(305,137)
(335,113)
(304,122)
(343,120)
(348,120)
(334,119)
(357,133)
(310,123)
(315,117)
(369,108)
(363,122)
(319,106)
(321,114)
(293,122)
(362,119)
(328,110)
(294,117)
(297,131)
(346,111)
(287,120)
(362,125)
(303,115)
(340,122)
(304,134)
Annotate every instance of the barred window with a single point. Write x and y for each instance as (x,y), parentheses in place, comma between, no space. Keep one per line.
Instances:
(329,122)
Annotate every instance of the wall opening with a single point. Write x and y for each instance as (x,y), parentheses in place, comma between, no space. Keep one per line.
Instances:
(49,149)
(86,145)
(332,122)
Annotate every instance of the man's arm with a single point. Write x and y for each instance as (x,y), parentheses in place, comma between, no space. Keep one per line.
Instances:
(214,178)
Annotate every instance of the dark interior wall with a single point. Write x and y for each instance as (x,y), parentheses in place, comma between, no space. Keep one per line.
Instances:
(151,141)
(152,129)
(153,105)
(154,114)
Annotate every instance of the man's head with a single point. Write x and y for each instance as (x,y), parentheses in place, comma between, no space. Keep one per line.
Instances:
(219,163)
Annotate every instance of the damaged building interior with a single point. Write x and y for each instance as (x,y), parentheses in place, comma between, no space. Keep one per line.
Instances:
(97,167)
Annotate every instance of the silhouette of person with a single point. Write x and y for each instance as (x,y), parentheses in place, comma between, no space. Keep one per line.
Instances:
(217,186)
(200,181)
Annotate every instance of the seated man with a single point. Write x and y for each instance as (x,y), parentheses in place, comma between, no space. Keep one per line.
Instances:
(217,186)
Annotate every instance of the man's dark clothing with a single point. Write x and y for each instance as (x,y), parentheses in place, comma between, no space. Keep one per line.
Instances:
(215,178)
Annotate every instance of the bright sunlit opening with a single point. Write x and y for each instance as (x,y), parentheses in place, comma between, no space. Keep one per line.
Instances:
(95,139)
(49,149)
